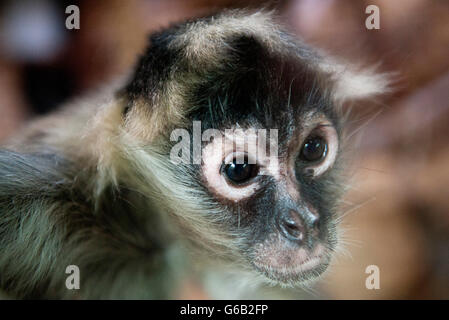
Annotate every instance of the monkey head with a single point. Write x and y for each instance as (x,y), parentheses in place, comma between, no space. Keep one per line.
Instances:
(264,191)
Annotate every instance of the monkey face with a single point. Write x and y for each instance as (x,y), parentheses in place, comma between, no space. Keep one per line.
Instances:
(273,166)
(275,200)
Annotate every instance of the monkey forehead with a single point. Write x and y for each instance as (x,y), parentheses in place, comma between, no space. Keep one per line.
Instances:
(223,69)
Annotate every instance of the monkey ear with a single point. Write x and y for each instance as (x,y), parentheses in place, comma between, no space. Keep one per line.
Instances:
(355,83)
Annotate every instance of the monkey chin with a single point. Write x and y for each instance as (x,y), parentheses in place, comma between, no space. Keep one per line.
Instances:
(288,264)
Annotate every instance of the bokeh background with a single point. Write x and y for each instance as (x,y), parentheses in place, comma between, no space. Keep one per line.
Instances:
(397,209)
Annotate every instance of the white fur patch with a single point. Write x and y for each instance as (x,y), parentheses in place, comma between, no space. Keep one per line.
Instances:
(351,84)
(330,135)
(236,144)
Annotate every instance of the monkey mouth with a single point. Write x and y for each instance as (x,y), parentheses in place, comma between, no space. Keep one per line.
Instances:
(290,265)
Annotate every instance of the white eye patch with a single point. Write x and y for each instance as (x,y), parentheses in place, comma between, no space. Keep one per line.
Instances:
(328,133)
(250,147)
(238,146)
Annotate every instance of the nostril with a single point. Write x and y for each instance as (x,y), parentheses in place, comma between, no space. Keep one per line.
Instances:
(294,231)
(292,227)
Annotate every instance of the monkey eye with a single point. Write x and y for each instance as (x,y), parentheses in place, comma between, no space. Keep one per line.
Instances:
(319,151)
(314,149)
(240,173)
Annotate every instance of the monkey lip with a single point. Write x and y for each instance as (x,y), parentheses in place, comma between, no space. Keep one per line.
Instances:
(290,265)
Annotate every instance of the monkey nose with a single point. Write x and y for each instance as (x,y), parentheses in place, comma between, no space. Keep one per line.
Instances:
(293,227)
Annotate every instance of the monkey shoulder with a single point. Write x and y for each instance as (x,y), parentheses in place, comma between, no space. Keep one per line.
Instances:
(48,222)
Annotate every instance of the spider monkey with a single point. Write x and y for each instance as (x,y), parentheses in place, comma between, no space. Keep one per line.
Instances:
(93,184)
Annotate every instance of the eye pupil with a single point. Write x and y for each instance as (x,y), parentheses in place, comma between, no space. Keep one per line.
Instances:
(240,173)
(314,149)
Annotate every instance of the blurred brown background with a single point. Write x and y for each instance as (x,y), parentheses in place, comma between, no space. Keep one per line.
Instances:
(397,209)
